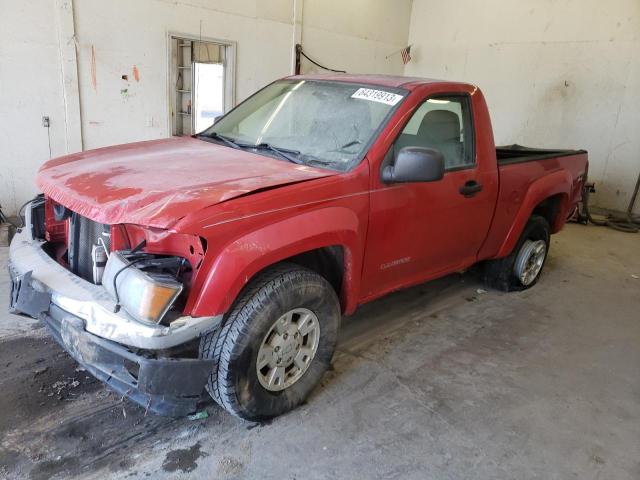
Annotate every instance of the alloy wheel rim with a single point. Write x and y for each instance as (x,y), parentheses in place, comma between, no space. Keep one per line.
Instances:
(288,348)
(530,260)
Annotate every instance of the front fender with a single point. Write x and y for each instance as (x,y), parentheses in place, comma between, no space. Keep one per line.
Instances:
(239,261)
(556,183)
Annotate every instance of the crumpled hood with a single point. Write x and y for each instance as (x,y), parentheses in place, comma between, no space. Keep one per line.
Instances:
(158,182)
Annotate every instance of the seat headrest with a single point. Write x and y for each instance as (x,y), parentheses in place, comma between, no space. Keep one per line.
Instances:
(440,126)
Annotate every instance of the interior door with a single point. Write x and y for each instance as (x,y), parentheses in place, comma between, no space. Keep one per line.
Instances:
(419,231)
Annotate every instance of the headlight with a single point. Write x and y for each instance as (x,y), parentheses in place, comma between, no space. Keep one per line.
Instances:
(145,297)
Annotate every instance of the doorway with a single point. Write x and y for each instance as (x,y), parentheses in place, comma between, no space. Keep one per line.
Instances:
(201,82)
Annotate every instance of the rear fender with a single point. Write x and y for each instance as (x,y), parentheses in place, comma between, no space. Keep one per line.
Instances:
(240,260)
(556,183)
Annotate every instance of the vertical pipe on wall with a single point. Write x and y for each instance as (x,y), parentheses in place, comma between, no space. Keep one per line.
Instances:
(69,72)
(297,34)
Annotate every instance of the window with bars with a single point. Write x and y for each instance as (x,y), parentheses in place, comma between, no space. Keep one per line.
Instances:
(201,82)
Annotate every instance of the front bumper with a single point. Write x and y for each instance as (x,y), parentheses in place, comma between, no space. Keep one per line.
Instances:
(163,385)
(93,304)
(118,350)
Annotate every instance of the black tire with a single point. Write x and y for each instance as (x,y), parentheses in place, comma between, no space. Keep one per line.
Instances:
(499,273)
(234,383)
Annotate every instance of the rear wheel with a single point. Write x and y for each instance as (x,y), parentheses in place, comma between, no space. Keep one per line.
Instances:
(277,342)
(522,268)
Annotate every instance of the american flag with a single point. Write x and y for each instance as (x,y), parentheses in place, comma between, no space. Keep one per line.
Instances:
(406,54)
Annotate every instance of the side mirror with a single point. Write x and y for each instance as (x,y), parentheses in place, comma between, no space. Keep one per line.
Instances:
(415,164)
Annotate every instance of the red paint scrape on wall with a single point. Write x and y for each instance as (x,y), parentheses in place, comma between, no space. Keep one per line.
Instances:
(136,73)
(94,78)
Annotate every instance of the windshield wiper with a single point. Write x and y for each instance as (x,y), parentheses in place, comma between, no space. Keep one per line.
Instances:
(286,153)
(318,161)
(217,136)
(352,143)
(283,152)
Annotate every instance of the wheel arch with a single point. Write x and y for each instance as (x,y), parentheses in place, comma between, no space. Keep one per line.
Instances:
(327,262)
(548,197)
(550,209)
(325,241)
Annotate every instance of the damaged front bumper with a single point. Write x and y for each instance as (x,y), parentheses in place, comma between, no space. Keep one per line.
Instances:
(165,386)
(125,354)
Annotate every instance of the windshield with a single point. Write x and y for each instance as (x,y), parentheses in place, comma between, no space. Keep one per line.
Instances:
(319,123)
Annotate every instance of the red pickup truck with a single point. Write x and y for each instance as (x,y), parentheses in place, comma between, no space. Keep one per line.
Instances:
(225,260)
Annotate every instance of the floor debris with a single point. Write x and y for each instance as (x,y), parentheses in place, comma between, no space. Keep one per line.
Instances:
(199,415)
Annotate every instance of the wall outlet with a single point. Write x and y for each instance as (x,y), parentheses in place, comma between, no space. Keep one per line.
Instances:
(45,121)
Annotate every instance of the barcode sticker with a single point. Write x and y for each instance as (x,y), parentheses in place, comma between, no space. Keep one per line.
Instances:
(381,96)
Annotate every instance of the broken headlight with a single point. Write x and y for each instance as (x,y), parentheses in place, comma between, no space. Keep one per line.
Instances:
(142,285)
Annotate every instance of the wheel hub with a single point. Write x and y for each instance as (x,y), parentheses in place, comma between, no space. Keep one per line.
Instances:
(530,260)
(286,346)
(288,349)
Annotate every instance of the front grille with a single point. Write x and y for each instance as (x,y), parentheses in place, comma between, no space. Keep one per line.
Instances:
(83,235)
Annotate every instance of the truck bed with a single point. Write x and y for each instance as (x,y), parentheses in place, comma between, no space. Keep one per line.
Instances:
(508,154)
(519,168)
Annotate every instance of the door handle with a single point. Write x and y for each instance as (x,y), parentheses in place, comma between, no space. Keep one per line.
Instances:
(470,188)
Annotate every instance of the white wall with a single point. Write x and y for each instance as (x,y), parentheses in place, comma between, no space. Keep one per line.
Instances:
(125,34)
(555,74)
(30,86)
(354,35)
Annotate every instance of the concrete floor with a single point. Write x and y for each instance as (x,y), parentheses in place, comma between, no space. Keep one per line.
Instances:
(440,381)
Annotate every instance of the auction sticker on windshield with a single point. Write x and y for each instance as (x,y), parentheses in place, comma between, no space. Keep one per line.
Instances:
(377,96)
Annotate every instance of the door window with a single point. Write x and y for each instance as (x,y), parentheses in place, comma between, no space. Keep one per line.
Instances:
(442,123)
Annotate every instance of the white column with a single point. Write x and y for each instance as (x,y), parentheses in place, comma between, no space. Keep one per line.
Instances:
(69,70)
(297,31)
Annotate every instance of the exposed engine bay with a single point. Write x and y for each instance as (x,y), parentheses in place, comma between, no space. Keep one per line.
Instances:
(150,285)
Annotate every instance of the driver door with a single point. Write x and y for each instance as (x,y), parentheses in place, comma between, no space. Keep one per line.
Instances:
(418,231)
